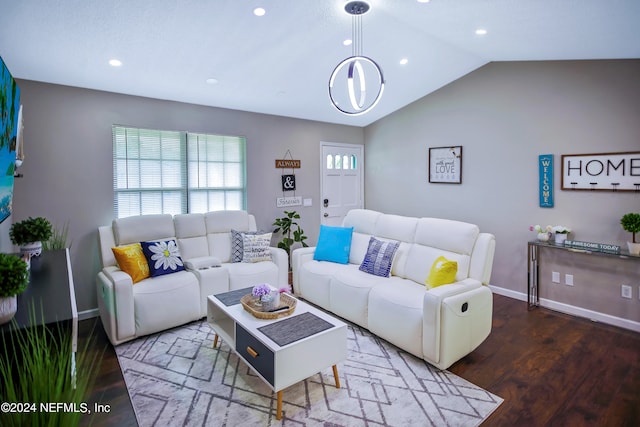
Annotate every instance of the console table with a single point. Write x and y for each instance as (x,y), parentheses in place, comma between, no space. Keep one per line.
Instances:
(533,265)
(50,296)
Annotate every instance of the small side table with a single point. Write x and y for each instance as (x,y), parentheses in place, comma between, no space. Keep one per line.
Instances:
(51,294)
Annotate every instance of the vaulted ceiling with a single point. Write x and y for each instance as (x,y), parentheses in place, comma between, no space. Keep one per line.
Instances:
(280,63)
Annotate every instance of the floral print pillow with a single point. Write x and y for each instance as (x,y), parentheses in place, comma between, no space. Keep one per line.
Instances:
(163,257)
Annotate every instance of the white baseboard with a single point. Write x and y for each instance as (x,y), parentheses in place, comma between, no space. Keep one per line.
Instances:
(572,310)
(88,314)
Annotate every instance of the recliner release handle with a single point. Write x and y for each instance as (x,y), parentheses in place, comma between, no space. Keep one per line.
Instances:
(465,307)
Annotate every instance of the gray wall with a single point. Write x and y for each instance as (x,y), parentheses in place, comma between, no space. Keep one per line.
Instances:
(68,172)
(505,115)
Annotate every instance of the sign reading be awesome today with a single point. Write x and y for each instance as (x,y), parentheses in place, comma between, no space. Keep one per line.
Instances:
(601,172)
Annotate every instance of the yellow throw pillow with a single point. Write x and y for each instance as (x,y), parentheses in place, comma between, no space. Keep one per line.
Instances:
(131,260)
(442,272)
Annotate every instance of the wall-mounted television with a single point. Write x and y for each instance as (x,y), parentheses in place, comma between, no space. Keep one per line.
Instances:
(9,112)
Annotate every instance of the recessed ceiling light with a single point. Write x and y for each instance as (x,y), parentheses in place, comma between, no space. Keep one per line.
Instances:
(423,1)
(259,11)
(212,81)
(115,63)
(404,61)
(347,42)
(481,31)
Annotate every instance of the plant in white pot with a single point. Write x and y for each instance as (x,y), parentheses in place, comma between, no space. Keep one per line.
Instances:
(561,233)
(14,278)
(30,233)
(631,222)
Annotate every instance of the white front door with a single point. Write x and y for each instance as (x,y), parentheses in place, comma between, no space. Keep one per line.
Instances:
(342,181)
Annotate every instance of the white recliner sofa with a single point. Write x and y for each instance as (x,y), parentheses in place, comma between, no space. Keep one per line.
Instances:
(154,304)
(440,325)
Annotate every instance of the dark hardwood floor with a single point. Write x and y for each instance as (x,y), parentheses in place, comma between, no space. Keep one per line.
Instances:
(551,369)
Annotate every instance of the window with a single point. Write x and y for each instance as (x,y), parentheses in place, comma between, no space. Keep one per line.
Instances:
(176,172)
(344,162)
(216,167)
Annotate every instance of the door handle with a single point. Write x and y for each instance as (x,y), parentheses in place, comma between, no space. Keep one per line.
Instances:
(326,215)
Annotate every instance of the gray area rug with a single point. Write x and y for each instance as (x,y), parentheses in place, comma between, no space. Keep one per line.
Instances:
(176,378)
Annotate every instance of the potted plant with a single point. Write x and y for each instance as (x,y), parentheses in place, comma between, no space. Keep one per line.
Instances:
(561,233)
(631,222)
(30,233)
(288,226)
(14,278)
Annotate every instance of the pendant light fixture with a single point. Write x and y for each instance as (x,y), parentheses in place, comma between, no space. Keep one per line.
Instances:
(357,83)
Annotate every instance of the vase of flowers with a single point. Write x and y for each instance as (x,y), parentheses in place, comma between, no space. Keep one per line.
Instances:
(543,233)
(259,292)
(561,233)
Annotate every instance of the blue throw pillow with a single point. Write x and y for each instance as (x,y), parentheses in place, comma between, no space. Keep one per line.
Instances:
(163,257)
(334,244)
(379,257)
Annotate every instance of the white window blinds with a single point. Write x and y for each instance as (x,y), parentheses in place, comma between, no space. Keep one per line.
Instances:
(216,172)
(176,172)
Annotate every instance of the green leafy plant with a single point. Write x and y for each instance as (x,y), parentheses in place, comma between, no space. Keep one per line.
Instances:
(30,230)
(14,275)
(291,232)
(631,222)
(36,368)
(58,239)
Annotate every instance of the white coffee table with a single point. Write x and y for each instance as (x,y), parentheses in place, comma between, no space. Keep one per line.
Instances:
(278,350)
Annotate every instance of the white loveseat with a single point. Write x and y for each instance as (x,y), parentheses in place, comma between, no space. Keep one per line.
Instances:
(440,325)
(154,304)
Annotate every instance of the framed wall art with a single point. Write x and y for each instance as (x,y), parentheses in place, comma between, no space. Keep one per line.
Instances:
(445,165)
(601,171)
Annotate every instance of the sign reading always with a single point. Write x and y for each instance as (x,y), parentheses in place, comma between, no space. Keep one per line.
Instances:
(287,164)
(601,172)
(545,166)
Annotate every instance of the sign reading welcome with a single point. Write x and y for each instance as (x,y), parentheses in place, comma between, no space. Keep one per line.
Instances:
(601,172)
(545,166)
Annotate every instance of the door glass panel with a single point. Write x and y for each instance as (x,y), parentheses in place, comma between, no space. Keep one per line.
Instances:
(329,161)
(353,162)
(345,162)
(338,161)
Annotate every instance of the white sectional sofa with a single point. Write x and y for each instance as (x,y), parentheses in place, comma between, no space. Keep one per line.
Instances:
(206,247)
(440,325)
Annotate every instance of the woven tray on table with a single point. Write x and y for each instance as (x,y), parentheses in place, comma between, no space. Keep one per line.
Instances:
(249,303)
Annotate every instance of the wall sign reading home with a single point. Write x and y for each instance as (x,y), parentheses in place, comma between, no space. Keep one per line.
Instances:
(601,172)
(445,165)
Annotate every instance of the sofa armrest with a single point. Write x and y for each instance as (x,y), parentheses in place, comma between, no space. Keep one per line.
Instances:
(116,292)
(280,259)
(299,257)
(482,258)
(433,301)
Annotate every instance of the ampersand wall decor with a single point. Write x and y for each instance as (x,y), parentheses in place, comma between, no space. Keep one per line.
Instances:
(288,183)
(288,180)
